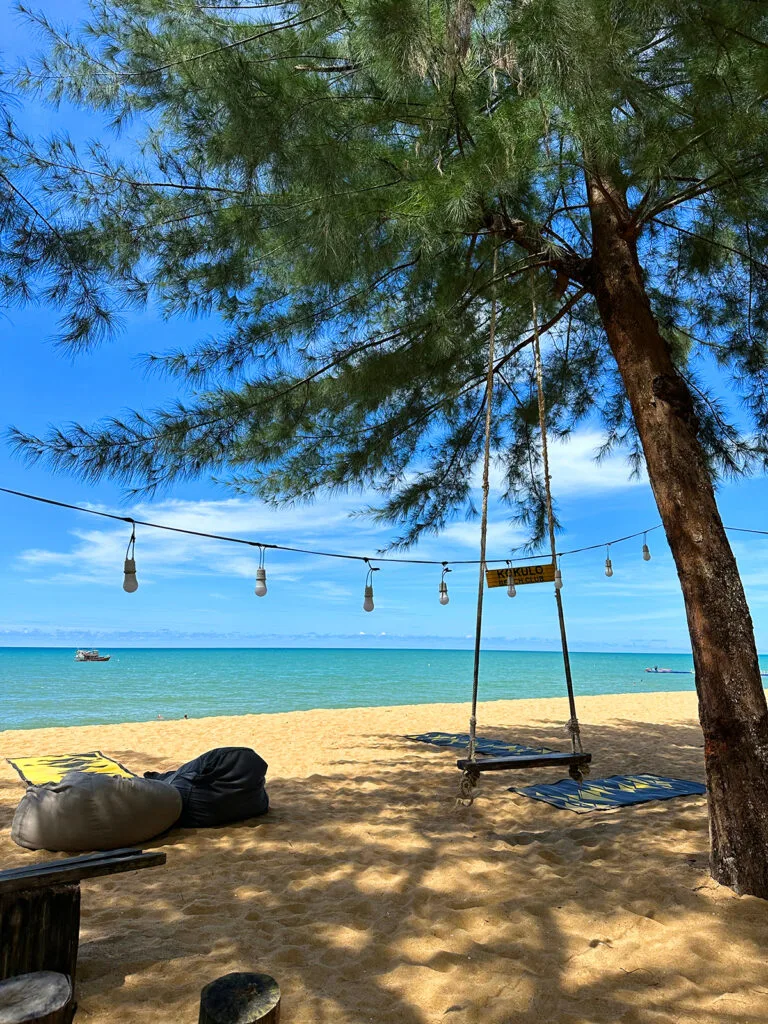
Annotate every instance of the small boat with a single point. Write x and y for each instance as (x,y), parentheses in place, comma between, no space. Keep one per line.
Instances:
(670,671)
(92,655)
(679,671)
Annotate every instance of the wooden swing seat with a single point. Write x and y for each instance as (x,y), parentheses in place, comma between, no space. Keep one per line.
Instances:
(499,764)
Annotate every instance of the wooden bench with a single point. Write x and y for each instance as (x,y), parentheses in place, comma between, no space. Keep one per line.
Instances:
(40,910)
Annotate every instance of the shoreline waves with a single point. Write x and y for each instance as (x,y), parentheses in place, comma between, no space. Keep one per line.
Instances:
(41,687)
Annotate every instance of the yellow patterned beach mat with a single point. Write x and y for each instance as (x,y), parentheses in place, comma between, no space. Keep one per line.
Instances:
(608,794)
(53,767)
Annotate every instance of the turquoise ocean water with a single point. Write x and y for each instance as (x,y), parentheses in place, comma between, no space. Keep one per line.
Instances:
(45,686)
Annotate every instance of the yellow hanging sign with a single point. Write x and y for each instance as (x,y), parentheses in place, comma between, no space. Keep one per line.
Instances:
(520,574)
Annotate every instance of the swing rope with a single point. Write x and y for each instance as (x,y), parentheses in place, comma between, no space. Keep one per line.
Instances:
(471,772)
(572,725)
(483,517)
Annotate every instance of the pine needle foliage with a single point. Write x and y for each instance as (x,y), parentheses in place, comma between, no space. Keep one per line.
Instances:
(43,260)
(332,178)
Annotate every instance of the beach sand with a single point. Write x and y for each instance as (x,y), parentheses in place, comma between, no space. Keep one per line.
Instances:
(370,897)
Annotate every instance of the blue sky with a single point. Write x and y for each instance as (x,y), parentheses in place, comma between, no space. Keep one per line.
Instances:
(62,571)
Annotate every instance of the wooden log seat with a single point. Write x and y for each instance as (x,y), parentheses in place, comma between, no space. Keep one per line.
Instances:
(40,912)
(240,998)
(43,997)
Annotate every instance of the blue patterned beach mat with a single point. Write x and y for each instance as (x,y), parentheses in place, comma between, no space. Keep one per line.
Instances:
(608,794)
(460,741)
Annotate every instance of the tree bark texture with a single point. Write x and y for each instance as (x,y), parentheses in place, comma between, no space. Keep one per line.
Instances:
(732,705)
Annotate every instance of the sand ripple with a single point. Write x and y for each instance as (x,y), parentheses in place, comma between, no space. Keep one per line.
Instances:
(370,898)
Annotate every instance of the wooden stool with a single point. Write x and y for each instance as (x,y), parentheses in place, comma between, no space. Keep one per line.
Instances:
(44,997)
(240,998)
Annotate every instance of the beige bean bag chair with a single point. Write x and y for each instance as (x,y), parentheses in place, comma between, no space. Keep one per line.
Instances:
(94,812)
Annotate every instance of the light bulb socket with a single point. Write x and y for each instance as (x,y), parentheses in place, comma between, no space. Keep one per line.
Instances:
(130,582)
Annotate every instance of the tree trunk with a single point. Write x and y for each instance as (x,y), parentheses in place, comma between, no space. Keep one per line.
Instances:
(732,706)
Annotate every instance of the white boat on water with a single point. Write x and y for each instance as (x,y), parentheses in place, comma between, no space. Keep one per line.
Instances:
(92,655)
(670,671)
(679,671)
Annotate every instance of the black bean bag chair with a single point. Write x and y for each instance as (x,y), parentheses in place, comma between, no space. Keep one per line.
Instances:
(219,787)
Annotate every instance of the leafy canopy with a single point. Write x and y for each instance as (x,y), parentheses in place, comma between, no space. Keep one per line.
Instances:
(332,178)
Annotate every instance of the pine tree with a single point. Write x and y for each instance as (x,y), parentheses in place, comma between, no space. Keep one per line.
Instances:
(38,259)
(334,179)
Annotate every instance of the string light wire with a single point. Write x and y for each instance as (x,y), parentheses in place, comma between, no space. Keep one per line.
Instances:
(338,554)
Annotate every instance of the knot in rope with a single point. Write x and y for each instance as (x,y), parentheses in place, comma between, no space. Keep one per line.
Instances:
(467,786)
(574,731)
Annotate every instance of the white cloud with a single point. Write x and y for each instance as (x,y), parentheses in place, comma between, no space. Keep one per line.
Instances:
(501,535)
(574,470)
(331,591)
(95,555)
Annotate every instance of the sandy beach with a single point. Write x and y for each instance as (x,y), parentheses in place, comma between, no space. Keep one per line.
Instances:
(370,897)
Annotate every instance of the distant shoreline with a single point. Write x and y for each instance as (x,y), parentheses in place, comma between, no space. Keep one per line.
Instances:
(491,714)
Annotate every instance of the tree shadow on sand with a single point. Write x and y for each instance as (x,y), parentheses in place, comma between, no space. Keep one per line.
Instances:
(370,897)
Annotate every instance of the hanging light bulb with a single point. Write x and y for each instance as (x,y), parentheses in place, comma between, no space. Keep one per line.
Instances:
(443,588)
(368,594)
(608,563)
(511,588)
(260,589)
(130,583)
(646,552)
(558,578)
